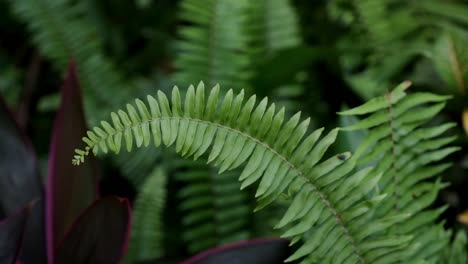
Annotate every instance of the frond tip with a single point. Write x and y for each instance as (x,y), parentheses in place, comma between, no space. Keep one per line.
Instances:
(329,198)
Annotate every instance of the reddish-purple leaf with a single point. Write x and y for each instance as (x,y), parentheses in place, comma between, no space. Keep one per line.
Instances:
(11,236)
(257,251)
(20,183)
(70,189)
(99,235)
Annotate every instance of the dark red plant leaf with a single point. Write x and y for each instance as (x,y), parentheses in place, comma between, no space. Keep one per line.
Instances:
(20,183)
(257,251)
(99,235)
(70,189)
(11,236)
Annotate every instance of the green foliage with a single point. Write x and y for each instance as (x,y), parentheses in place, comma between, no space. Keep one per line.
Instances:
(214,211)
(62,30)
(328,200)
(271,27)
(304,55)
(456,253)
(147,238)
(215,52)
(10,87)
(408,153)
(377,52)
(450,58)
(228,53)
(213,47)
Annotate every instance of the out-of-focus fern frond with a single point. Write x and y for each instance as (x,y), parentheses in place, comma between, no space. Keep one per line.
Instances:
(270,27)
(147,224)
(408,152)
(456,252)
(375,50)
(450,58)
(62,31)
(213,46)
(214,211)
(331,207)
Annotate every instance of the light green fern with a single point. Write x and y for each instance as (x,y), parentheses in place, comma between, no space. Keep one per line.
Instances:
(331,206)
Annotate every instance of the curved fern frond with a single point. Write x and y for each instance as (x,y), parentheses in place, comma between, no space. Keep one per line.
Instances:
(214,212)
(408,153)
(146,241)
(330,210)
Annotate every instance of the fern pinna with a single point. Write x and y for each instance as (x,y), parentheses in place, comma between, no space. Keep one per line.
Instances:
(408,153)
(331,209)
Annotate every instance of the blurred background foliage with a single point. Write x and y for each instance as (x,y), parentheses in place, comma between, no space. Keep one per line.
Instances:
(312,56)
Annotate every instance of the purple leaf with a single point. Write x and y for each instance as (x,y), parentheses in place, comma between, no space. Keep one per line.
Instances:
(11,236)
(258,251)
(20,182)
(99,235)
(70,189)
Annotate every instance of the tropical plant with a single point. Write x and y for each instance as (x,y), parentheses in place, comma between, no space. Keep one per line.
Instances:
(336,210)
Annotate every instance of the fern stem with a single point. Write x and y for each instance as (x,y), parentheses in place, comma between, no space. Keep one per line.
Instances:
(393,150)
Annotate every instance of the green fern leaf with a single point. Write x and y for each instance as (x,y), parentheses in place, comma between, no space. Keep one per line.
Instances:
(327,222)
(62,31)
(213,210)
(407,152)
(146,241)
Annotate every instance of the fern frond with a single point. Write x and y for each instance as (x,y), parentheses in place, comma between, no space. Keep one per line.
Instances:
(214,212)
(272,26)
(213,47)
(330,209)
(61,30)
(408,153)
(146,241)
(456,252)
